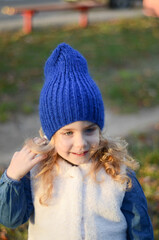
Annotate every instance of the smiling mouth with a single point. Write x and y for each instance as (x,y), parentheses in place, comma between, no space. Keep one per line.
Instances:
(81,154)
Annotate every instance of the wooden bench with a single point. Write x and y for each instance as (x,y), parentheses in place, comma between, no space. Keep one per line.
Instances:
(29,11)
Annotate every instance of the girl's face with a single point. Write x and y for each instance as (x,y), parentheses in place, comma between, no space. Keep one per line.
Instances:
(74,141)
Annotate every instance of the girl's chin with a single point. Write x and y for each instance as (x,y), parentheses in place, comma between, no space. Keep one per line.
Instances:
(76,160)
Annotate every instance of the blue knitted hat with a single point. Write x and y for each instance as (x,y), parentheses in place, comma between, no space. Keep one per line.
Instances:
(69,94)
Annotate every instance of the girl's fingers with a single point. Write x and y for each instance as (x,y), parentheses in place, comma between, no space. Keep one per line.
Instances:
(40,141)
(32,155)
(22,162)
(15,154)
(39,158)
(37,140)
(26,149)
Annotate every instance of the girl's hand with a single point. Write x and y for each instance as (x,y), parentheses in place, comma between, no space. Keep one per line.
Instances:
(22,162)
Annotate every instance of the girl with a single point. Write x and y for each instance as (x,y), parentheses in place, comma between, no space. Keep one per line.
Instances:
(72,184)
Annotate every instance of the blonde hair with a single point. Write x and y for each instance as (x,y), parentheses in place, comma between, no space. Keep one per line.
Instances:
(111,154)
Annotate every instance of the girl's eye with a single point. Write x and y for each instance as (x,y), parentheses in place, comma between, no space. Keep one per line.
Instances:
(90,130)
(68,133)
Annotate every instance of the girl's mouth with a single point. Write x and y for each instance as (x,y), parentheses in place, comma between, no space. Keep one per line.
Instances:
(80,154)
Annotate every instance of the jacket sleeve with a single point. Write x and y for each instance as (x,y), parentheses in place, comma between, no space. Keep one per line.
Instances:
(16,204)
(134,208)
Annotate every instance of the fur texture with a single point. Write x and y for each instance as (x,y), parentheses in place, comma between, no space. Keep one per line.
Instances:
(80,207)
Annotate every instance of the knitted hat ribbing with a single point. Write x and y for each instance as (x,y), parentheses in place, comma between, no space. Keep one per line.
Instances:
(69,94)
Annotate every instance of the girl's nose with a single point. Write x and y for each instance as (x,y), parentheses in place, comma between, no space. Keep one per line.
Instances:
(80,141)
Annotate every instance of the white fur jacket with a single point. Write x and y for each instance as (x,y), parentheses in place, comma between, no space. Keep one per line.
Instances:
(80,208)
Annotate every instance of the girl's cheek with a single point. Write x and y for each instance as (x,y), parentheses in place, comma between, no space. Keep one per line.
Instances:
(94,140)
(65,144)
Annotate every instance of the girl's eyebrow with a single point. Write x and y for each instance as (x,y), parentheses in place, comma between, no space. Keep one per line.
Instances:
(89,126)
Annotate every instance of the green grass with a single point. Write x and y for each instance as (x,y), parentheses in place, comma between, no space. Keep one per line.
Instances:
(122,57)
(19,233)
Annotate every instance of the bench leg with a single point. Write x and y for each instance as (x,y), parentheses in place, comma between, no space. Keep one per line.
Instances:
(27,21)
(83,20)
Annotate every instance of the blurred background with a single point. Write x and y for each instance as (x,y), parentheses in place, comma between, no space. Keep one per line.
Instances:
(121,45)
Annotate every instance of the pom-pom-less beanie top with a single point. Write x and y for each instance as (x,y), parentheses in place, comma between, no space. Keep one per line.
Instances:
(69,93)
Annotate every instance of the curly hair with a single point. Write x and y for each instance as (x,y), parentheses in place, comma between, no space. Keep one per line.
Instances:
(111,154)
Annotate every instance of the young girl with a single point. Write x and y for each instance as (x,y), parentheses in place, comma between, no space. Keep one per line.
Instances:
(72,184)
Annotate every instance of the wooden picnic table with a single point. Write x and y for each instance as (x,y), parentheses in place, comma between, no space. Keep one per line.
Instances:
(29,11)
